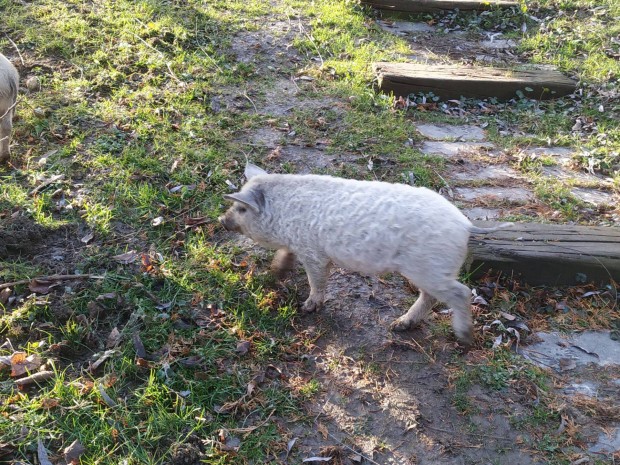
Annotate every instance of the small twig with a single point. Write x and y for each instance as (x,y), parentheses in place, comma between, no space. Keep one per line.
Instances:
(250,100)
(450,192)
(148,45)
(311,39)
(415,345)
(10,108)
(40,376)
(54,277)
(47,182)
(161,54)
(210,58)
(14,45)
(249,429)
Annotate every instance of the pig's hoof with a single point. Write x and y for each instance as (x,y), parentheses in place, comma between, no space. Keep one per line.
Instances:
(465,338)
(400,324)
(310,306)
(466,341)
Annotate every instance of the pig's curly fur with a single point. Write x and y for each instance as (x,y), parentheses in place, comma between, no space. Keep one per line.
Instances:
(366,226)
(9,84)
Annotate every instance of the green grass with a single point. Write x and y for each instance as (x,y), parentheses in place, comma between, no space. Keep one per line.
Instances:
(125,113)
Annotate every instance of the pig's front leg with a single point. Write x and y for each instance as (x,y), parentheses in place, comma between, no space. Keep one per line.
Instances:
(317,269)
(283,263)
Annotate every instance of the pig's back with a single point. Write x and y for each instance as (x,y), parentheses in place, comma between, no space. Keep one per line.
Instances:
(370,226)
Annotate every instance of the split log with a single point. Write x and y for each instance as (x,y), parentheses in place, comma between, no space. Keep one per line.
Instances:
(437,5)
(548,254)
(453,82)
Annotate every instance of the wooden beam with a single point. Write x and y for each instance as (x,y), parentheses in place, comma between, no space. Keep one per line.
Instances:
(437,5)
(548,254)
(452,82)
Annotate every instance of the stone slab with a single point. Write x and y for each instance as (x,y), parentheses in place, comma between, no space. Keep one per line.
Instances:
(582,349)
(445,132)
(594,196)
(453,149)
(498,44)
(491,172)
(563,173)
(562,155)
(512,194)
(607,443)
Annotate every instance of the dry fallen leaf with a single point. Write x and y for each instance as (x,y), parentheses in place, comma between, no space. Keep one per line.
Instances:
(21,364)
(114,338)
(191,361)
(243,347)
(138,345)
(289,446)
(48,403)
(42,286)
(127,257)
(322,429)
(42,454)
(106,296)
(5,294)
(102,358)
(73,452)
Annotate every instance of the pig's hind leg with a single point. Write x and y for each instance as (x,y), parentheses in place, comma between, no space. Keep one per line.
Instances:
(458,297)
(416,314)
(447,290)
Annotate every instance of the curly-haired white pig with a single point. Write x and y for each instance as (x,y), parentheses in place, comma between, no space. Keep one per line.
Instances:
(370,227)
(9,83)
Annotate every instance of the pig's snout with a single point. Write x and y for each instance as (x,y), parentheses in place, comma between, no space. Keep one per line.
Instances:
(228,223)
(223,222)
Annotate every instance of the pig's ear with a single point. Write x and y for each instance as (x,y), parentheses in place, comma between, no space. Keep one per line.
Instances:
(253,198)
(253,170)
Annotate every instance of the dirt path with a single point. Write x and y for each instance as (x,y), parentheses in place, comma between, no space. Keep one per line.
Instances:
(388,398)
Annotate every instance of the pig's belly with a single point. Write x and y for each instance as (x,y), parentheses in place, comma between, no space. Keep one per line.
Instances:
(368,262)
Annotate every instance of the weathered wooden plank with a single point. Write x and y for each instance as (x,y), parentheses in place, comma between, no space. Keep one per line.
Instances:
(437,5)
(548,254)
(452,82)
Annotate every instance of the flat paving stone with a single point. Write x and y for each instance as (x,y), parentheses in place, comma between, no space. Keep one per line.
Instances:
(478,213)
(447,132)
(405,27)
(566,353)
(607,443)
(453,149)
(514,194)
(564,173)
(581,349)
(491,172)
(498,44)
(593,196)
(562,155)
